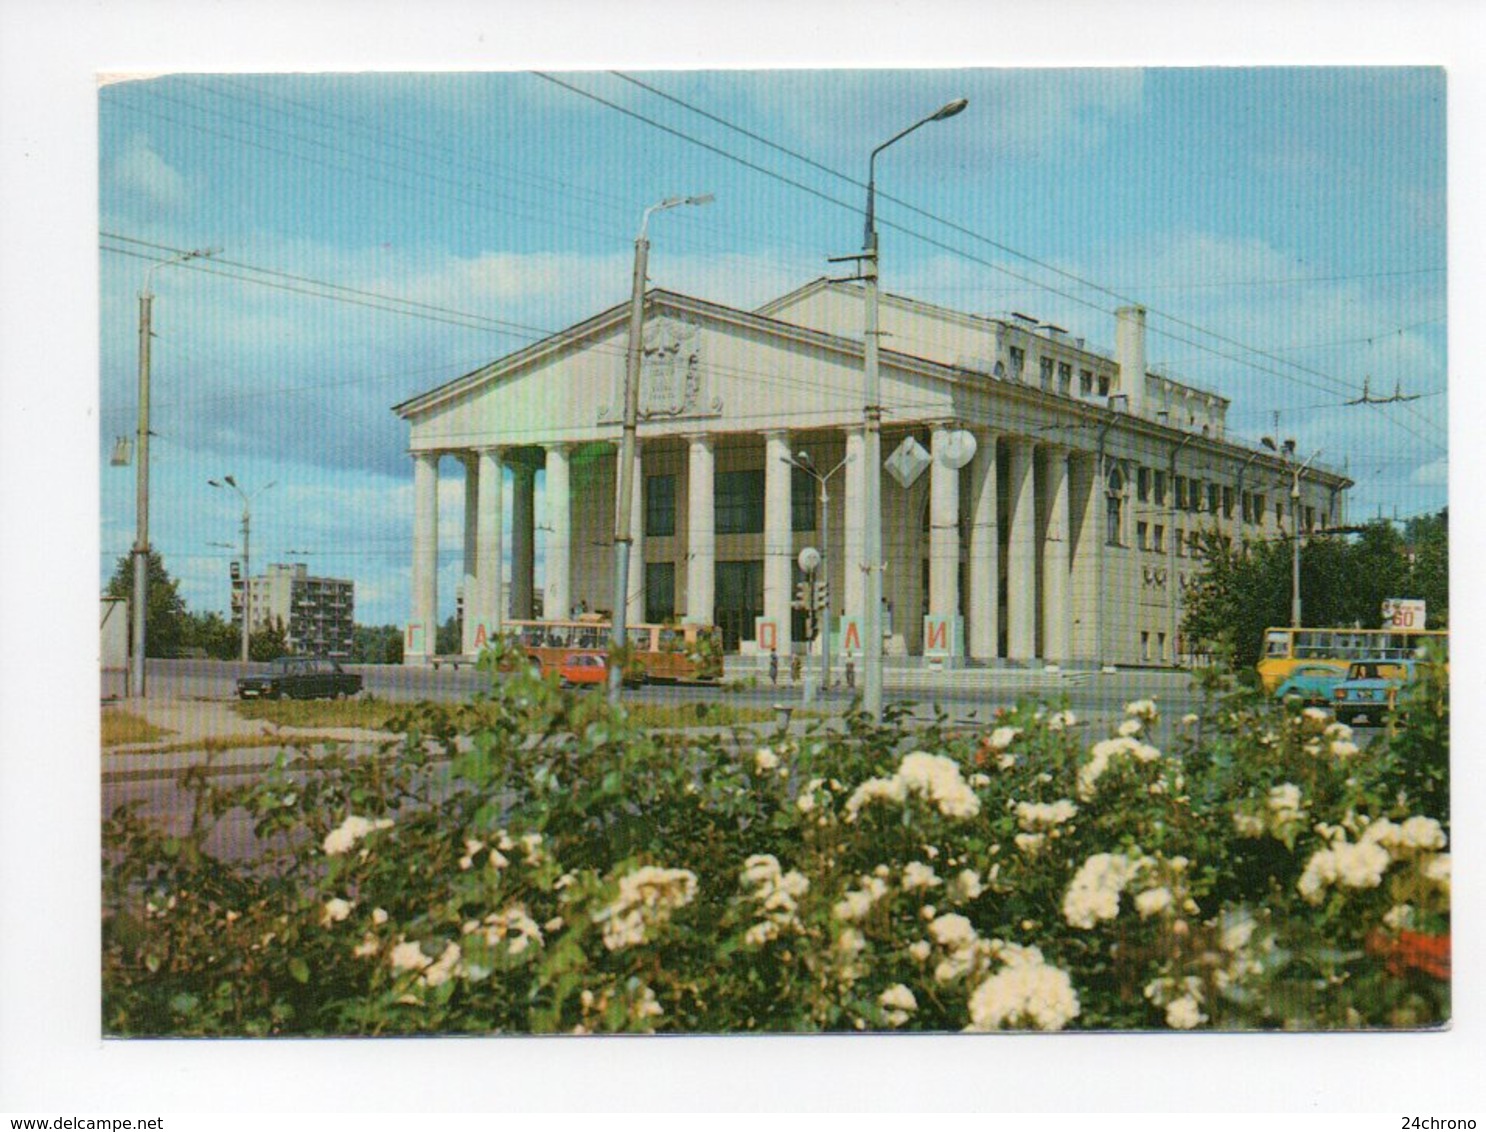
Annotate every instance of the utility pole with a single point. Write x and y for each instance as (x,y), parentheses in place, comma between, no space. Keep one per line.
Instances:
(141,550)
(623,539)
(247,523)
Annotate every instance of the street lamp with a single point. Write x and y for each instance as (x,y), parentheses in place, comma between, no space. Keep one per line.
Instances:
(228,481)
(142,472)
(872,432)
(1295,530)
(803,461)
(623,540)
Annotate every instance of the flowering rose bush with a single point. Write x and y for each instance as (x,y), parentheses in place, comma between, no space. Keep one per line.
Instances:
(551,868)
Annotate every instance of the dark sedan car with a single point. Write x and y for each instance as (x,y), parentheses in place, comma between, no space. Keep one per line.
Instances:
(300,678)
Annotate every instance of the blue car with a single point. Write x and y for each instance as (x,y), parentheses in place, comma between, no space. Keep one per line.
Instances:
(1313,683)
(1371,689)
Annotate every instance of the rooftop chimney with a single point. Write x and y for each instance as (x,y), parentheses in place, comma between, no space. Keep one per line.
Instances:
(1130,353)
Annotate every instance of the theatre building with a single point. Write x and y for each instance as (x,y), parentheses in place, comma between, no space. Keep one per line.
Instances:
(1040,496)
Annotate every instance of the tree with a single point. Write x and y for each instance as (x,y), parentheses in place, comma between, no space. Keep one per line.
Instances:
(447,642)
(1245,588)
(377,644)
(207,631)
(164,608)
(268,643)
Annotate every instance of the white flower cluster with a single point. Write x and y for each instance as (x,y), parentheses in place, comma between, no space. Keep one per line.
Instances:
(1002,737)
(1182,998)
(917,875)
(898,1004)
(1026,993)
(647,897)
(335,910)
(933,777)
(1362,863)
(513,927)
(345,836)
(1094,892)
(964,951)
(857,903)
(765,760)
(407,955)
(1035,816)
(1340,736)
(776,892)
(1061,721)
(1106,750)
(1143,710)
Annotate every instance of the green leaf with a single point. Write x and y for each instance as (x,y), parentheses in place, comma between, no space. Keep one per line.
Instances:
(299,969)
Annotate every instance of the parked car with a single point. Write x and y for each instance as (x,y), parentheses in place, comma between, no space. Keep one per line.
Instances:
(1371,689)
(300,678)
(1315,684)
(584,668)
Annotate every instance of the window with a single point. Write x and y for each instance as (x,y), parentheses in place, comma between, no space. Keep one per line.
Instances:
(1279,513)
(1145,645)
(1213,496)
(1141,533)
(1160,646)
(1181,493)
(1085,382)
(1104,385)
(1181,543)
(740,502)
(660,505)
(660,591)
(1114,500)
(1158,542)
(1143,484)
(1194,544)
(1227,503)
(1258,508)
(1018,362)
(1065,378)
(1045,372)
(1310,518)
(802,492)
(1160,478)
(1248,507)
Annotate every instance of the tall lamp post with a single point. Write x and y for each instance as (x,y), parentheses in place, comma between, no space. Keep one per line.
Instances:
(803,461)
(623,539)
(142,472)
(872,433)
(1295,537)
(228,481)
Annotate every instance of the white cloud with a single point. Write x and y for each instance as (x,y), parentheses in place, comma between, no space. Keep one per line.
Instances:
(142,175)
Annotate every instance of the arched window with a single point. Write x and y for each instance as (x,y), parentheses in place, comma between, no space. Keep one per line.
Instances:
(1114,500)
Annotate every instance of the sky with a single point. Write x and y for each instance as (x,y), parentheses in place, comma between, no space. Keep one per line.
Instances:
(378,234)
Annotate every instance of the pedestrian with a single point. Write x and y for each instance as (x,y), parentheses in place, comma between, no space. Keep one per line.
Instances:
(851,673)
(774,666)
(796,666)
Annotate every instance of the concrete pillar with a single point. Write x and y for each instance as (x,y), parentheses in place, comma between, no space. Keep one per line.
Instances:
(984,628)
(853,584)
(634,606)
(523,540)
(473,609)
(701,531)
(1056,616)
(1021,553)
(944,529)
(778,537)
(557,593)
(490,539)
(1130,353)
(425,553)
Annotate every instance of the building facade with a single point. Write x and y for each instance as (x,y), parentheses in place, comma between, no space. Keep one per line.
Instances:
(1040,499)
(318,614)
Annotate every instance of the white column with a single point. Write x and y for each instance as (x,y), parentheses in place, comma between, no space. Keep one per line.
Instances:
(1055,548)
(1021,554)
(557,600)
(489,546)
(984,627)
(944,530)
(701,532)
(778,539)
(470,586)
(523,540)
(634,609)
(426,549)
(853,585)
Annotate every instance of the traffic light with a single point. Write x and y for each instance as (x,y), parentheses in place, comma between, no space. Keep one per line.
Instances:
(802,595)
